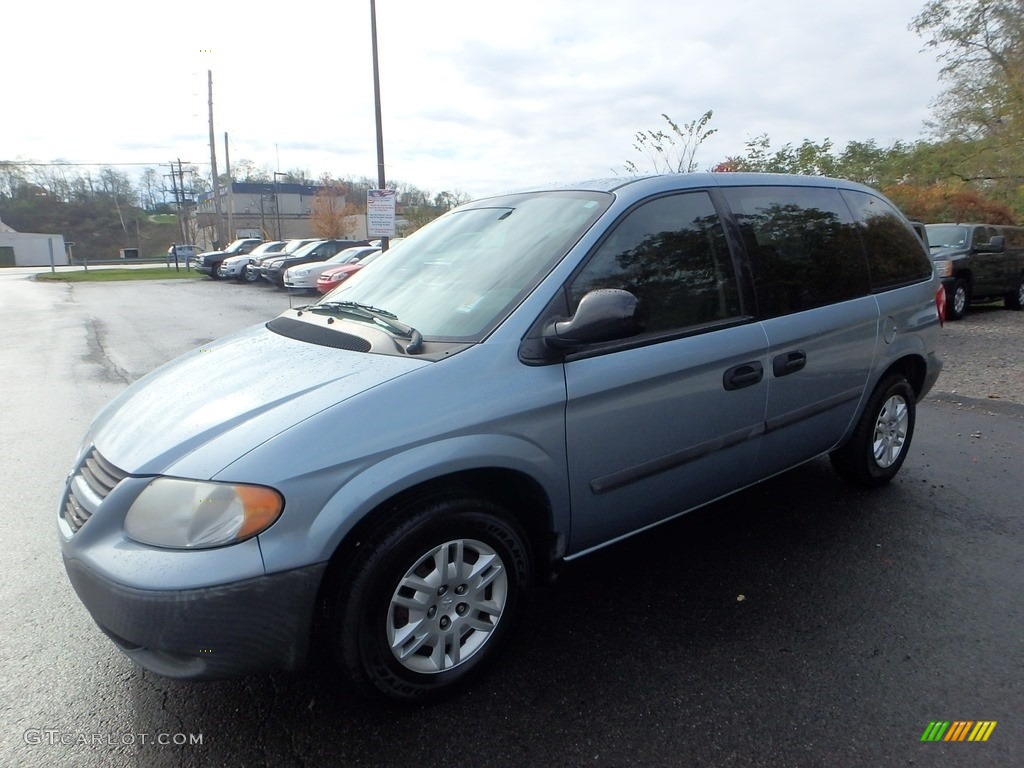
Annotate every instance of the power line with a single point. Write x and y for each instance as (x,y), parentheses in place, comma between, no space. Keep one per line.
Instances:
(83,165)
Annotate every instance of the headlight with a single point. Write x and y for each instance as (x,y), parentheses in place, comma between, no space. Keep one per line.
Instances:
(944,268)
(192,514)
(300,273)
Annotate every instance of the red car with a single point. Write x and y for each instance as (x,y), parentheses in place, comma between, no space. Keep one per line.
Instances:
(331,278)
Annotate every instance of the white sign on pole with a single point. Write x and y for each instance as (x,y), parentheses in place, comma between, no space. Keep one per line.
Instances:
(380,212)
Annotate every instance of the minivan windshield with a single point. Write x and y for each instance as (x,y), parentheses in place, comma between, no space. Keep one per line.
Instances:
(458,277)
(946,236)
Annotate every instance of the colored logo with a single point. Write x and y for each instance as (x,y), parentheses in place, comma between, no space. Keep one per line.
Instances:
(958,730)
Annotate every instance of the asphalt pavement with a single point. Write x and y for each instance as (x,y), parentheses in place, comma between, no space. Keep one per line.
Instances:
(803,622)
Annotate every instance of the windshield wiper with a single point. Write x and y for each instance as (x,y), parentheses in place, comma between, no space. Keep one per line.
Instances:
(379,317)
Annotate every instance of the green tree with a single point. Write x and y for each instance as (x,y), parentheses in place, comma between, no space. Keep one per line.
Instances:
(808,159)
(981,111)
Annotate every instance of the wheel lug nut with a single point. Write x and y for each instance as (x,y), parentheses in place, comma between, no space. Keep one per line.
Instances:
(445,622)
(460,590)
(442,590)
(432,611)
(461,609)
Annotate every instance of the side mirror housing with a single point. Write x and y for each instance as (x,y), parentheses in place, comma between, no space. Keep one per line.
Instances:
(997,244)
(602,315)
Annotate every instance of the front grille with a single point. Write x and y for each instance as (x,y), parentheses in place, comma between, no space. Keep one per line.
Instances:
(89,486)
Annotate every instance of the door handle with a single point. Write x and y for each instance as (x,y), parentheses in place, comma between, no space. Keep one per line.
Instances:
(791,362)
(743,375)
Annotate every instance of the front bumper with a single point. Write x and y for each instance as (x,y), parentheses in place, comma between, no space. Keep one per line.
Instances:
(233,629)
(276,276)
(305,283)
(232,270)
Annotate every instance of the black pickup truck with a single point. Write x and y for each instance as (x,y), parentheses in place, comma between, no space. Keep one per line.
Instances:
(978,263)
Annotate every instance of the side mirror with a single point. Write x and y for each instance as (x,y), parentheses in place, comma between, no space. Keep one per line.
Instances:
(603,315)
(997,244)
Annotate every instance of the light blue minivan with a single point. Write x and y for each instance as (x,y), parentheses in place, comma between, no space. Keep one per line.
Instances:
(527,379)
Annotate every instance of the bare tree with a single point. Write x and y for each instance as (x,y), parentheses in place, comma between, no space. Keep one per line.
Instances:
(675,151)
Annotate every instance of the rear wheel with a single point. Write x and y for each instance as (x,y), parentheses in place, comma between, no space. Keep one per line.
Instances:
(431,599)
(879,444)
(957,299)
(1015,299)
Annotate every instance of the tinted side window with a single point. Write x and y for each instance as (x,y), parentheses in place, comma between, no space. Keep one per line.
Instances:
(672,255)
(1014,237)
(982,236)
(803,247)
(895,255)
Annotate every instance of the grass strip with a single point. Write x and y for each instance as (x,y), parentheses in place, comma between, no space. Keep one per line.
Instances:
(109,275)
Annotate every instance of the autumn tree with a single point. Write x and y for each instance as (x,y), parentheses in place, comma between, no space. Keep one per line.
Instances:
(948,202)
(331,213)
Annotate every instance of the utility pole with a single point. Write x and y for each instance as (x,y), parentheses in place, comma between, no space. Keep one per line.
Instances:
(231,190)
(381,183)
(184,200)
(213,166)
(177,205)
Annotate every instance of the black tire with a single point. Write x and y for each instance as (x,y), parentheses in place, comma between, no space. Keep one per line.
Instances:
(250,275)
(1015,298)
(213,271)
(958,297)
(396,580)
(880,442)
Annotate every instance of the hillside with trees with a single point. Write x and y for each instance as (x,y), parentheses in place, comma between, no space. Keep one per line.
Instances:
(103,210)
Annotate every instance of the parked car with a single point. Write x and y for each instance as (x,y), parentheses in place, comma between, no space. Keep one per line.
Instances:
(182,253)
(252,272)
(978,262)
(332,277)
(208,263)
(304,276)
(527,379)
(234,266)
(273,269)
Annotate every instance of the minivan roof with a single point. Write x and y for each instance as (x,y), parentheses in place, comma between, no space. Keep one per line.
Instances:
(697,180)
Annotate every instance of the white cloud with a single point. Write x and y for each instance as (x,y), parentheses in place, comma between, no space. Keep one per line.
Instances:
(477,96)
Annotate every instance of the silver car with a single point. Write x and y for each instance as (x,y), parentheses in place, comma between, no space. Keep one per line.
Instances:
(528,379)
(234,267)
(304,276)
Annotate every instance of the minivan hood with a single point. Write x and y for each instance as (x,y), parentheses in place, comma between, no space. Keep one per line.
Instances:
(197,414)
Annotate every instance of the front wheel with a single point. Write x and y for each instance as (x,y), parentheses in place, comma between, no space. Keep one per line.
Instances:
(1015,299)
(879,444)
(432,599)
(957,298)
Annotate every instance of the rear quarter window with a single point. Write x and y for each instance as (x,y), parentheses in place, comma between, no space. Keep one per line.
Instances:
(895,254)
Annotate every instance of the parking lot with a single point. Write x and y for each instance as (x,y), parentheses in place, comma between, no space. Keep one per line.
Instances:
(803,622)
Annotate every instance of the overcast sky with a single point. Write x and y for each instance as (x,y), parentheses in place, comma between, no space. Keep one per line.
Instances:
(478,96)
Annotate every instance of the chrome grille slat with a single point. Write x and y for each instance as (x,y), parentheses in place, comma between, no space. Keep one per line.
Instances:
(98,480)
(96,476)
(74,513)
